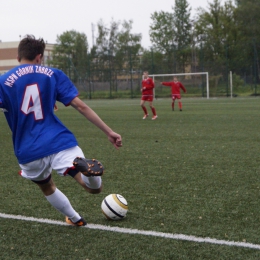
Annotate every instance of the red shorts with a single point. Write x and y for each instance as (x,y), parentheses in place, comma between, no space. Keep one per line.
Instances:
(176,96)
(147,97)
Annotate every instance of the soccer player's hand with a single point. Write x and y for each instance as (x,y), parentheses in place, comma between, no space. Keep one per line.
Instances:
(115,139)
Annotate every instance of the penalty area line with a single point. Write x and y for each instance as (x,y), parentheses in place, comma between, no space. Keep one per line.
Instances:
(138,232)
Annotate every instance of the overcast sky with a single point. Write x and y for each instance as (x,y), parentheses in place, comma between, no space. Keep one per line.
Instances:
(49,18)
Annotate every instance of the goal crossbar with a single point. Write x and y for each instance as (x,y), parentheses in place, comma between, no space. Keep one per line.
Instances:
(186,74)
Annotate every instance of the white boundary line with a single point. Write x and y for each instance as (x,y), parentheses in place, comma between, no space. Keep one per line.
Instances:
(138,232)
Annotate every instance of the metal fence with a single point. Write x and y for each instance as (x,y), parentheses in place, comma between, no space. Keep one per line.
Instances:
(129,85)
(228,76)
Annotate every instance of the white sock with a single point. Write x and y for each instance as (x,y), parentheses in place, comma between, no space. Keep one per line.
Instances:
(60,202)
(92,182)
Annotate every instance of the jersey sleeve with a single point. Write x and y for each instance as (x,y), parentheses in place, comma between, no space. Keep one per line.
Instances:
(66,90)
(1,101)
(182,87)
(167,84)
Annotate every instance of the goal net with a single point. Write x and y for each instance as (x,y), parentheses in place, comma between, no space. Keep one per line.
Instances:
(196,84)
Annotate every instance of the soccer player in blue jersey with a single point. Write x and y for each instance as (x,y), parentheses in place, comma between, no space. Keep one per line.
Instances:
(41,142)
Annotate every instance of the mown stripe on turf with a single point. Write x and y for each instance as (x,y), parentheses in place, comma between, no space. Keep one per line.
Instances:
(139,232)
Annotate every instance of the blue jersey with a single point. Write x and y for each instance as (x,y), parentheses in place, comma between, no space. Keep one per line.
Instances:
(27,95)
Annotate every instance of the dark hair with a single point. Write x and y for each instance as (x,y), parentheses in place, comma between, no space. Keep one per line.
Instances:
(29,48)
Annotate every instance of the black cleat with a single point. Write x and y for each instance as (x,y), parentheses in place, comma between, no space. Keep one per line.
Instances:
(88,167)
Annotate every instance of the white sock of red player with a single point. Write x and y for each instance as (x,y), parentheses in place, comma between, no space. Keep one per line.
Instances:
(60,202)
(92,182)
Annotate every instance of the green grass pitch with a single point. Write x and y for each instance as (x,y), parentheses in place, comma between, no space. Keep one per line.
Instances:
(194,172)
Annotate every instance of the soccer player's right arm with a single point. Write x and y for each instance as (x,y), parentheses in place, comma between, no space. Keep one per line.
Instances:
(67,94)
(167,84)
(88,113)
(142,85)
(182,87)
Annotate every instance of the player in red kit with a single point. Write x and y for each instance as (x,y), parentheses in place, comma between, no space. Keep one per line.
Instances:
(147,95)
(176,93)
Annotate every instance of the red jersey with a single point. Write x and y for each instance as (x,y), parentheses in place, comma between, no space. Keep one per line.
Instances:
(148,84)
(176,86)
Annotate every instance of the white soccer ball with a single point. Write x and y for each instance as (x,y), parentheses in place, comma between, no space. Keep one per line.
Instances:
(114,207)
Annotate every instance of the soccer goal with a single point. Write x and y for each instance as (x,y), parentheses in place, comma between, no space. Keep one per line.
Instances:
(196,83)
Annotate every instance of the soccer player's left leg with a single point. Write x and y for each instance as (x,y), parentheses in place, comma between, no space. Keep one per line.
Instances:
(153,110)
(180,104)
(59,201)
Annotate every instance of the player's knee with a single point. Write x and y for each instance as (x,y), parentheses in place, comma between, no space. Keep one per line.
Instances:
(90,190)
(95,191)
(92,185)
(47,188)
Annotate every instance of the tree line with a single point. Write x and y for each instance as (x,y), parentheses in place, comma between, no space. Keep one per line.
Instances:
(220,38)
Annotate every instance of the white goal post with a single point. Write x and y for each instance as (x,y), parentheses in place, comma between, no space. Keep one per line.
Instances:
(231,84)
(186,74)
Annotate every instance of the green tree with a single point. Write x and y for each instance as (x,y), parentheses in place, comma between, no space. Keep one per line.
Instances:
(105,47)
(216,34)
(115,40)
(153,61)
(162,31)
(128,47)
(70,54)
(248,19)
(162,38)
(170,34)
(182,32)
(117,51)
